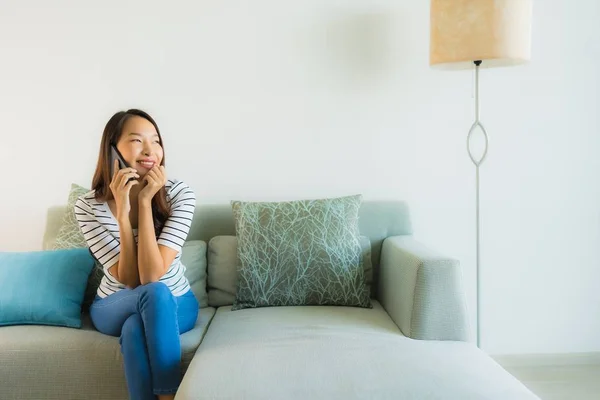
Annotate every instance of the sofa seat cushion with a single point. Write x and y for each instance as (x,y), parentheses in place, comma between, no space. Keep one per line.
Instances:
(329,352)
(65,363)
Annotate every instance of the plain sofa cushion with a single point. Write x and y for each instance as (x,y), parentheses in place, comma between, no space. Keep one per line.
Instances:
(44,287)
(332,352)
(193,256)
(224,263)
(55,363)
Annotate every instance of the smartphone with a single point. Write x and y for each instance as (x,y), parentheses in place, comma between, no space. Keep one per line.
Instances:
(116,155)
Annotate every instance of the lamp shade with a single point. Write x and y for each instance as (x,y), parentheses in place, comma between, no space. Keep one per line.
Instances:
(498,32)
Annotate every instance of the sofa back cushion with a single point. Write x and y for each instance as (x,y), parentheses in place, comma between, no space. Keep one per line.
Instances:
(193,256)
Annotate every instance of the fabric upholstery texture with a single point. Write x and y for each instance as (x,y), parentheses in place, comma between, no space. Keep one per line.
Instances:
(331,352)
(193,256)
(423,291)
(53,363)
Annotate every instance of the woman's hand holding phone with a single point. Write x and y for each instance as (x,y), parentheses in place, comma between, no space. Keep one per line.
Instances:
(121,186)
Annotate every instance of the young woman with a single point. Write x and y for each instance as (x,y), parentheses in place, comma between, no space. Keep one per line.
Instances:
(135,222)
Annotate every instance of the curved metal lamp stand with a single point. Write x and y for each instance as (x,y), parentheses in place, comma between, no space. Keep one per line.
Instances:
(477,163)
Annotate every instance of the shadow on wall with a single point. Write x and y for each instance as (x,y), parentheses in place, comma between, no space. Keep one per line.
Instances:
(353,49)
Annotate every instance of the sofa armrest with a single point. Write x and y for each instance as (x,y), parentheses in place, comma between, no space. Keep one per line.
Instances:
(422,291)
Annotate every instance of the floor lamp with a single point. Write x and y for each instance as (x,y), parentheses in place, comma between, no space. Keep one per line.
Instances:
(467,34)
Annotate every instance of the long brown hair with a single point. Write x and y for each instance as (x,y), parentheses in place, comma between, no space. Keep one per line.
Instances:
(161,209)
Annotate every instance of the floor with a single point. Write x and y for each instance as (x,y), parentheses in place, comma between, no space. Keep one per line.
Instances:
(560,377)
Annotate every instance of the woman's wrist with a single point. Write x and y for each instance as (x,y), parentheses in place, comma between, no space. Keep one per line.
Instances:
(144,202)
(123,221)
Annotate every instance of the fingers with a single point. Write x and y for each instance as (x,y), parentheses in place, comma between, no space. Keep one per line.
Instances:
(115,169)
(154,180)
(150,179)
(152,173)
(119,173)
(125,177)
(130,184)
(158,173)
(128,171)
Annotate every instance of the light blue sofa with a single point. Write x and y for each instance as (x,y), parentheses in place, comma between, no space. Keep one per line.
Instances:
(413,344)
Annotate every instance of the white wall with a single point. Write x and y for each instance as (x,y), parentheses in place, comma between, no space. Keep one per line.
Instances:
(274,99)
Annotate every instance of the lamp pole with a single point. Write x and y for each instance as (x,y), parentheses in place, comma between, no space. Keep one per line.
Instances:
(477,162)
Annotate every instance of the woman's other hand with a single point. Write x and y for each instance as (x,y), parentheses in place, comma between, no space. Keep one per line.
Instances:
(154,180)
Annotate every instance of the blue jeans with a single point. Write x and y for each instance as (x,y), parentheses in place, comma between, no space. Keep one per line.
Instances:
(149,320)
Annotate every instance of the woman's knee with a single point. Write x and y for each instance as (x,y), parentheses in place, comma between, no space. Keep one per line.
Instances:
(156,291)
(133,328)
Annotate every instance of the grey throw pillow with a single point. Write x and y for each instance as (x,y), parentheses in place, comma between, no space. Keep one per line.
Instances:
(304,252)
(69,234)
(224,264)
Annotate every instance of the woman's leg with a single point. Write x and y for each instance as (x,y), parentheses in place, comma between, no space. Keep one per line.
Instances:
(163,318)
(135,357)
(158,309)
(117,315)
(187,311)
(187,314)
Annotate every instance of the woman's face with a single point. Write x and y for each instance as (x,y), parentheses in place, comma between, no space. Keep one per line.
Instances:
(139,145)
